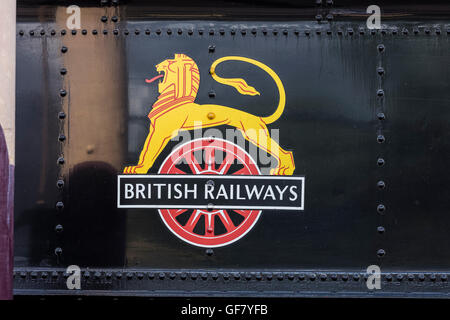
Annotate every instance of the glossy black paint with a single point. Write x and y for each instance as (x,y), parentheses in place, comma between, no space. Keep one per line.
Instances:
(336,122)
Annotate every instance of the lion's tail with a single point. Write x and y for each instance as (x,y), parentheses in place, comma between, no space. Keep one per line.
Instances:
(243,88)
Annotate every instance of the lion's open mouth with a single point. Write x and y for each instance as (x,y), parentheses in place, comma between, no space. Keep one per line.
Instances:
(161,75)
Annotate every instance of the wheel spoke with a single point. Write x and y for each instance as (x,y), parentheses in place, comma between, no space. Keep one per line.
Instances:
(175,170)
(209,225)
(244,213)
(210,159)
(226,220)
(192,162)
(192,222)
(226,164)
(177,212)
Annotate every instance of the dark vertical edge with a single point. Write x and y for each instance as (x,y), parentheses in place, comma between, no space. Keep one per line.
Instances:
(6,220)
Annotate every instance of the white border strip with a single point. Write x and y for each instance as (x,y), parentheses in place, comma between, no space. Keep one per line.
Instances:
(175,176)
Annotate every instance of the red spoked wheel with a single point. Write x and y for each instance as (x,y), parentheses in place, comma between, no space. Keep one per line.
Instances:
(201,227)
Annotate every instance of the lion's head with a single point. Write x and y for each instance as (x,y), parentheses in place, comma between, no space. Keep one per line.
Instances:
(181,75)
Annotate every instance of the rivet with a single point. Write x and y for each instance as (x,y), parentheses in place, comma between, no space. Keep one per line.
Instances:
(23,274)
(136,32)
(381,252)
(380,229)
(394,32)
(248,276)
(94,32)
(44,275)
(307,32)
(291,276)
(233,32)
(58,251)
(211,48)
(301,277)
(253,31)
(356,277)
(444,277)
(55,273)
(380,162)
(373,31)
(329,32)
(381,184)
(114,19)
(104,19)
(87,274)
(61,115)
(211,32)
(330,2)
(427,31)
(31,33)
(74,32)
(130,275)
(183,276)
(225,276)
(140,276)
(211,94)
(108,275)
(61,160)
(209,252)
(400,277)
(63,32)
(147,31)
(381,138)
(380,47)
(34,274)
(383,31)
(380,92)
(438,31)
(42,32)
(59,228)
(158,31)
(329,17)
(421,277)
(285,32)
(410,277)
(432,277)
(416,30)
(84,32)
(59,205)
(116,32)
(388,277)
(334,277)
(190,32)
(104,2)
(161,275)
(64,49)
(194,276)
(296,32)
(319,32)
(264,31)
(200,31)
(280,276)
(21,33)
(323,277)
(350,31)
(381,208)
(243,32)
(222,31)
(269,277)
(115,2)
(204,276)
(318,2)
(151,275)
(105,31)
(381,116)
(180,31)
(312,277)
(361,31)
(258,276)
(211,115)
(340,32)
(63,71)
(380,71)
(62,93)
(319,17)
(126,32)
(119,275)
(97,275)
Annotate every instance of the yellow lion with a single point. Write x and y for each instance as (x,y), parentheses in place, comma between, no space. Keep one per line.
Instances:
(175,110)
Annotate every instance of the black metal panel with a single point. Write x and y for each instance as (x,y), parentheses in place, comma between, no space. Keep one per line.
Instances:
(374,161)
